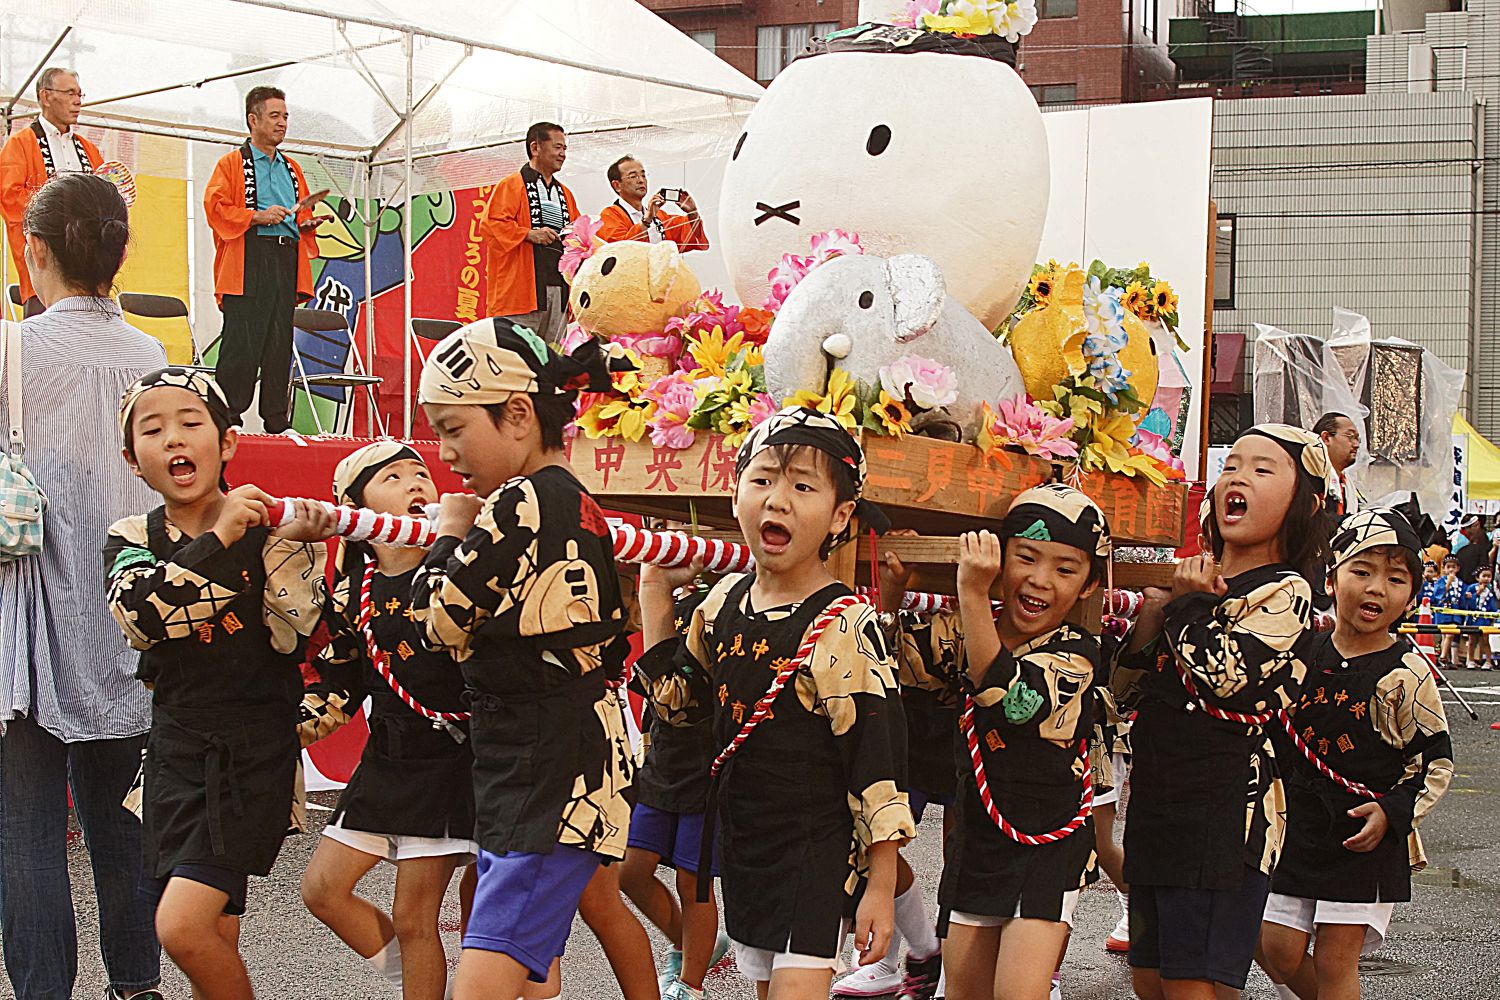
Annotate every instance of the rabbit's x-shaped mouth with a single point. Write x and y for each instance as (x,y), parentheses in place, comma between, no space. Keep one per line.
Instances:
(780,212)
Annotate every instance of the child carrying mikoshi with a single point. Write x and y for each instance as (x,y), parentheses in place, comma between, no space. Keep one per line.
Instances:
(666,828)
(410,801)
(807,717)
(520,589)
(1365,755)
(1022,845)
(1205,822)
(224,609)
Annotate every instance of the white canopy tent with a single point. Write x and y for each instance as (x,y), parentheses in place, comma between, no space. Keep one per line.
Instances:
(410,97)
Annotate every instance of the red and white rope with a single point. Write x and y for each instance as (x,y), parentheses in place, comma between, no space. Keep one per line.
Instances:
(1322,765)
(762,708)
(1085,805)
(382,660)
(1195,700)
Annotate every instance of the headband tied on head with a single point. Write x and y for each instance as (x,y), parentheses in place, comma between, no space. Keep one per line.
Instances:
(493,359)
(1308,453)
(1056,512)
(1403,525)
(174,377)
(800,426)
(358,468)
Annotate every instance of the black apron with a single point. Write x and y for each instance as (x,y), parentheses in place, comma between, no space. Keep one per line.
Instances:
(1314,863)
(785,830)
(1032,783)
(221,758)
(534,731)
(414,779)
(930,723)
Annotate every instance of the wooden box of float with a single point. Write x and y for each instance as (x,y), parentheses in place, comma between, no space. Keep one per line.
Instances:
(938,489)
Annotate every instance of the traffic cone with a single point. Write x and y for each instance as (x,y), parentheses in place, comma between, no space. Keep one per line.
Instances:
(1424,617)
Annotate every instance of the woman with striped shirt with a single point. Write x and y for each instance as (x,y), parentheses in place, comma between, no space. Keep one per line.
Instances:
(72,713)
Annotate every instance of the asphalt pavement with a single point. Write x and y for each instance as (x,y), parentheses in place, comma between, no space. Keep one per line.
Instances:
(1444,944)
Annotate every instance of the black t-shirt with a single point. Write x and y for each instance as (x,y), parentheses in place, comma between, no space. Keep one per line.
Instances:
(1471,557)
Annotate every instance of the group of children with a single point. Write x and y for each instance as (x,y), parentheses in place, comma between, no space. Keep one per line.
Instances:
(1448,591)
(797,732)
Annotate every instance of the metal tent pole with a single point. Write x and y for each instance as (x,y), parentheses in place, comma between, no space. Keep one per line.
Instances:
(406,381)
(371,219)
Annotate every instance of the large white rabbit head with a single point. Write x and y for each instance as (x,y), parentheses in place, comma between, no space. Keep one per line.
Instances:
(933,153)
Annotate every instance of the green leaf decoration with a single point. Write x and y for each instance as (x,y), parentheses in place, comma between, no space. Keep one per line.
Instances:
(1021,703)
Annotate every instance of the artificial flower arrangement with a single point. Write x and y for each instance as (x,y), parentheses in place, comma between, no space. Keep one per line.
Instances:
(1008,18)
(1094,405)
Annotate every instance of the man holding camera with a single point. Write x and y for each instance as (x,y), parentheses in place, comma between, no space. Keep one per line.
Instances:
(627,218)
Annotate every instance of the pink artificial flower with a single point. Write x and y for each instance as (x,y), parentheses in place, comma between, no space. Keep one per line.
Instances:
(573,338)
(835,243)
(1157,447)
(762,408)
(784,277)
(927,383)
(654,345)
(579,240)
(1022,423)
(675,399)
(911,17)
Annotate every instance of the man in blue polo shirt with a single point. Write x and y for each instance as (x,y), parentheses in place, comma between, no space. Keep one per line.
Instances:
(263,250)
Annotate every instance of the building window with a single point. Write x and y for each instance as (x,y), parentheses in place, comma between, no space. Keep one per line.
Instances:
(1224,247)
(1055,93)
(709,39)
(1148,18)
(778,44)
(1057,8)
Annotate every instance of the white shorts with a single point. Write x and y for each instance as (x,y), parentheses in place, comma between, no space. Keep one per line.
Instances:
(757,964)
(1119,766)
(1306,914)
(1069,904)
(397,847)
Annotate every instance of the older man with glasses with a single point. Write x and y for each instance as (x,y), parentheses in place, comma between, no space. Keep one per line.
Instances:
(34,155)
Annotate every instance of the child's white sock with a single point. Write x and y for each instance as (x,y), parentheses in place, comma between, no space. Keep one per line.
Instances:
(1124,903)
(915,925)
(387,962)
(1285,992)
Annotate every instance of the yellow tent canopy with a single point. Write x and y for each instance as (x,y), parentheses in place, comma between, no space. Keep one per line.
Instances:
(1484,462)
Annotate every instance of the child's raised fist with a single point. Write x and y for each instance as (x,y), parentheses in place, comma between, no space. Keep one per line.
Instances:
(978,560)
(457,514)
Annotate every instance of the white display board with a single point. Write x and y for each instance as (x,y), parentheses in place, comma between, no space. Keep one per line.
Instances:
(1130,182)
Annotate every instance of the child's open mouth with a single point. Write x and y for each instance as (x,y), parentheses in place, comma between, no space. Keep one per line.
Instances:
(1370,611)
(1030,607)
(418,508)
(182,470)
(1234,507)
(774,538)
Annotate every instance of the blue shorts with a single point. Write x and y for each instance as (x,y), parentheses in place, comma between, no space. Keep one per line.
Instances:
(677,838)
(1198,933)
(920,800)
(524,904)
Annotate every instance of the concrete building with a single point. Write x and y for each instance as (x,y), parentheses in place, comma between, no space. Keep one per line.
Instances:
(1384,202)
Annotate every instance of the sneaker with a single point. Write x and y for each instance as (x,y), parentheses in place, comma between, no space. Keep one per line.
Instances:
(1119,938)
(921,982)
(871,981)
(1056,993)
(679,990)
(670,970)
(721,948)
(110,993)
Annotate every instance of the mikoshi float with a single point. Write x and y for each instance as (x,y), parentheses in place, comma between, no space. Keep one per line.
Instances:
(923,324)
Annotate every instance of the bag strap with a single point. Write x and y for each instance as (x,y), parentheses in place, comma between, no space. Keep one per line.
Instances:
(11,354)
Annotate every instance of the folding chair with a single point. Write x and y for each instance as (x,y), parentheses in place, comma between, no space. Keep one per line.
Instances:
(149,306)
(434,329)
(326,356)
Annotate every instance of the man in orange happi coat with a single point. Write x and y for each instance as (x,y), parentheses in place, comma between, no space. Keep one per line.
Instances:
(34,155)
(522,226)
(628,219)
(264,243)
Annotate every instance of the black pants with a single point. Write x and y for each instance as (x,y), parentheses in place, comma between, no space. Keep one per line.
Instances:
(257,338)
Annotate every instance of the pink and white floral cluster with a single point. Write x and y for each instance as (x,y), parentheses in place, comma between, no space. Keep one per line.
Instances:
(1020,423)
(792,268)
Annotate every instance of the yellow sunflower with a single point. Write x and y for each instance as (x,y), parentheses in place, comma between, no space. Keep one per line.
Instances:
(1040,287)
(838,402)
(1139,301)
(895,418)
(1164,298)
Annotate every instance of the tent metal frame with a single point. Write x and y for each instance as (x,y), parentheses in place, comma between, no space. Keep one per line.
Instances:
(364,159)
